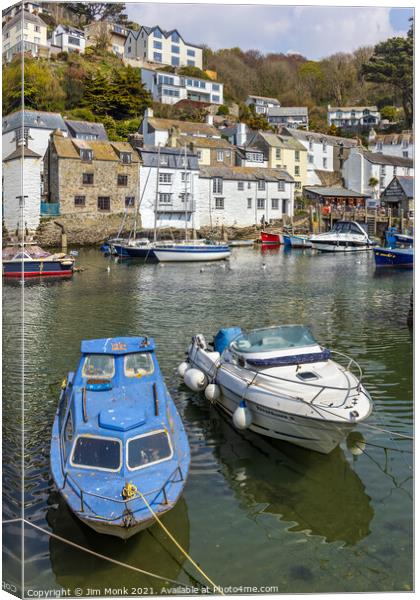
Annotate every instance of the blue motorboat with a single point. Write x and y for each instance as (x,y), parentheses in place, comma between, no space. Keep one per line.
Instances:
(119,451)
(398,252)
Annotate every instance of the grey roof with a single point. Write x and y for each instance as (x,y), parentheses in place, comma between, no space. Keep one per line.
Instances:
(86,127)
(347,108)
(165,33)
(73,30)
(264,98)
(338,191)
(35,119)
(407,184)
(171,158)
(22,151)
(316,136)
(246,173)
(284,111)
(27,16)
(386,159)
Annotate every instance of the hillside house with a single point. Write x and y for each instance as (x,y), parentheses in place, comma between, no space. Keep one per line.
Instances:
(170,88)
(115,33)
(91,177)
(261,104)
(392,144)
(68,39)
(288,116)
(155,45)
(353,117)
(26,34)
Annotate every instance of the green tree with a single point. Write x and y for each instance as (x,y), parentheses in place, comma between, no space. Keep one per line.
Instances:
(392,63)
(389,112)
(86,12)
(223,110)
(96,93)
(373,182)
(193,72)
(128,96)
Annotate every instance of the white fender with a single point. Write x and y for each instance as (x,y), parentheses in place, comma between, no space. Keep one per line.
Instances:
(242,417)
(195,380)
(183,368)
(212,392)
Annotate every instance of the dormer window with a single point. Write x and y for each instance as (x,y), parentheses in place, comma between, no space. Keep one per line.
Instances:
(157,33)
(86,155)
(126,157)
(175,37)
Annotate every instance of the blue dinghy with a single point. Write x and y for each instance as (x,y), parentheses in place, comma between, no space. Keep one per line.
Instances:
(118,444)
(399,250)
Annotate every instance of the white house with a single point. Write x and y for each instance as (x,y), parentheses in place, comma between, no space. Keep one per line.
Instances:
(153,44)
(361,166)
(353,116)
(170,88)
(32,7)
(248,154)
(288,116)
(22,177)
(68,39)
(157,131)
(241,196)
(27,34)
(261,103)
(168,187)
(392,144)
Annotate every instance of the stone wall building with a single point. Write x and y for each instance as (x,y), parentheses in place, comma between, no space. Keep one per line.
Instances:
(91,177)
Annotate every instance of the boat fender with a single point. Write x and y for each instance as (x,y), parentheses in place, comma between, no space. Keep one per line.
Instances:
(183,368)
(242,417)
(212,392)
(195,380)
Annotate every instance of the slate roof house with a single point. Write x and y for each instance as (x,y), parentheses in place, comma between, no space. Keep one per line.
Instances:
(392,144)
(261,104)
(288,116)
(399,194)
(68,39)
(34,126)
(27,34)
(85,130)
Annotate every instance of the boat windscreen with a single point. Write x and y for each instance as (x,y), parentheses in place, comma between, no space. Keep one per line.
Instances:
(97,453)
(99,365)
(273,338)
(138,364)
(148,449)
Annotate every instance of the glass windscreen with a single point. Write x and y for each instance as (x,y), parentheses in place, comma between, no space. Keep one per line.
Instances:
(99,365)
(273,338)
(94,452)
(148,449)
(138,364)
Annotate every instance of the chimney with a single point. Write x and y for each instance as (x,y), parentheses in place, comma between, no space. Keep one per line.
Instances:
(148,113)
(240,134)
(209,119)
(173,136)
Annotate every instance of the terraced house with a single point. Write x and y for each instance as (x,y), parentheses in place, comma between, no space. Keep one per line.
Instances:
(88,177)
(155,45)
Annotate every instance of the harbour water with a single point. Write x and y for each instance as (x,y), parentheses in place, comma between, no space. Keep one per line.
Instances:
(255,512)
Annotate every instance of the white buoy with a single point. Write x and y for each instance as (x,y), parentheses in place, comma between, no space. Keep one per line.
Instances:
(212,392)
(183,368)
(195,380)
(242,417)
(263,266)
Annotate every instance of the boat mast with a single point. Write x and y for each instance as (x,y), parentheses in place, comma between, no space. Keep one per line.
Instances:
(156,197)
(185,192)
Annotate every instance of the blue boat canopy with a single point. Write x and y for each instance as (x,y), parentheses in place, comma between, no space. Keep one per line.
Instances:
(118,346)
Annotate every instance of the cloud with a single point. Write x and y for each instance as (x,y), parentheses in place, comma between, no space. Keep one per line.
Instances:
(314,32)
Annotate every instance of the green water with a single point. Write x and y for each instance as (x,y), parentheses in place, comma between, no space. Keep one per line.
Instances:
(255,512)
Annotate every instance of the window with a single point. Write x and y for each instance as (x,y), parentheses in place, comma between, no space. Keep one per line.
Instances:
(191,63)
(165,198)
(278,153)
(249,202)
(220,155)
(87,178)
(99,365)
(383,170)
(183,196)
(74,41)
(37,40)
(175,37)
(190,52)
(280,186)
(166,79)
(298,185)
(217,185)
(405,144)
(275,203)
(215,87)
(185,176)
(157,33)
(405,153)
(122,180)
(241,185)
(126,157)
(196,83)
(202,84)
(157,56)
(324,163)
(175,49)
(22,134)
(394,171)
(284,206)
(157,45)
(165,177)
(175,61)
(215,99)
(86,155)
(104,203)
(310,158)
(97,452)
(297,170)
(406,171)
(79,200)
(311,144)
(324,146)
(249,185)
(260,203)
(297,156)
(138,364)
(148,449)
(37,28)
(261,185)
(130,201)
(172,93)
(219,203)
(199,154)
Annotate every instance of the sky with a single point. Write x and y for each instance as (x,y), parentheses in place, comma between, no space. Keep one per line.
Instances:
(313,31)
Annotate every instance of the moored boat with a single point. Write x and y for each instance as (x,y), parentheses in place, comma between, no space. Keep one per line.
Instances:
(399,251)
(190,252)
(279,382)
(240,243)
(271,238)
(297,241)
(118,445)
(345,236)
(30,260)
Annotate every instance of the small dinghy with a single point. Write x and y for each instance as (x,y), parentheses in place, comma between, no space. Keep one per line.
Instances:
(279,382)
(118,445)
(30,260)
(297,241)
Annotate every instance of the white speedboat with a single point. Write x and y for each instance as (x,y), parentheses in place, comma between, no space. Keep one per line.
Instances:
(345,236)
(279,382)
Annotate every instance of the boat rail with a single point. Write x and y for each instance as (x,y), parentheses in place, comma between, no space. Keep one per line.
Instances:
(69,480)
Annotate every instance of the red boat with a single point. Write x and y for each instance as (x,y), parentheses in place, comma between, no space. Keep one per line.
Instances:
(32,261)
(274,239)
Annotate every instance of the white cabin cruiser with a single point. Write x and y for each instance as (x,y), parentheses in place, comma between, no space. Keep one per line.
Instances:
(345,236)
(279,382)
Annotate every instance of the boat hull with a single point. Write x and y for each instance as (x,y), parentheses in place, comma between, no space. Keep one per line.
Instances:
(191,254)
(37,268)
(296,241)
(239,243)
(394,257)
(271,238)
(340,246)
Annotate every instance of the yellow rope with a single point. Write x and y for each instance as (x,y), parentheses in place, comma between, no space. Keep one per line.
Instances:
(130,490)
